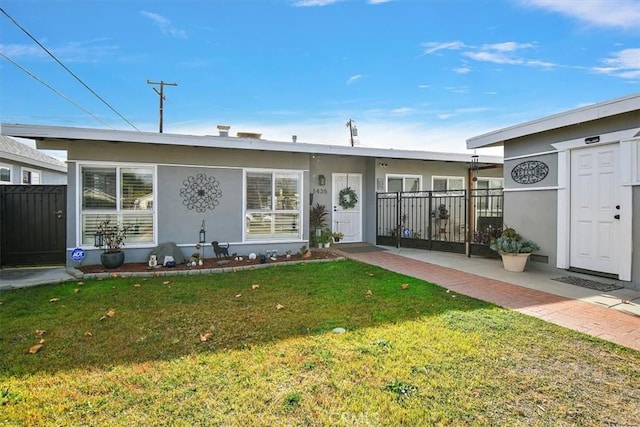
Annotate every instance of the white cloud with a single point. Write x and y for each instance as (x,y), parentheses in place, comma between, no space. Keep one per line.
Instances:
(432,47)
(462,70)
(607,13)
(165,25)
(313,3)
(506,53)
(625,64)
(354,78)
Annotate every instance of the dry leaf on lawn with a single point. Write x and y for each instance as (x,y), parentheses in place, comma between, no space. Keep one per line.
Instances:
(111,312)
(137,285)
(238,295)
(166,282)
(40,332)
(369,293)
(80,283)
(279,307)
(87,334)
(255,286)
(206,337)
(54,300)
(76,290)
(405,286)
(36,348)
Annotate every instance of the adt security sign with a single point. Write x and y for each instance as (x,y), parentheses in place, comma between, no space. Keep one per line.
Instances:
(77,254)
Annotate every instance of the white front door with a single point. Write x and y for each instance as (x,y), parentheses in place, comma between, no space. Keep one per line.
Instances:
(594,205)
(347,220)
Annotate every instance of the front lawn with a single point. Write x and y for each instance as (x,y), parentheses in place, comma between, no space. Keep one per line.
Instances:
(256,348)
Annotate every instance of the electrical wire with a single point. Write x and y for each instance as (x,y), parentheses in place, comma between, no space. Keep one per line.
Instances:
(54,90)
(66,68)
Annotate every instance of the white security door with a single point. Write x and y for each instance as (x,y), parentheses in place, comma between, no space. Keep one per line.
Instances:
(594,206)
(347,220)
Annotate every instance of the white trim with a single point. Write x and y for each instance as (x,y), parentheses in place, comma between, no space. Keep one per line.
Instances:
(10,167)
(573,117)
(625,254)
(403,177)
(516,190)
(605,138)
(526,156)
(448,177)
(563,221)
(630,170)
(116,165)
(24,169)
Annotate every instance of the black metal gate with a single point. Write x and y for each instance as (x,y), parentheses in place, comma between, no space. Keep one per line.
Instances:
(32,225)
(460,221)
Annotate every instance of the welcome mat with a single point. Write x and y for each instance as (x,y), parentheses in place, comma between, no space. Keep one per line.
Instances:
(591,284)
(357,248)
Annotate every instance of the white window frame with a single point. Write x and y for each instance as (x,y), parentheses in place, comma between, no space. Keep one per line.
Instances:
(117,211)
(490,208)
(247,212)
(404,183)
(32,172)
(10,168)
(448,178)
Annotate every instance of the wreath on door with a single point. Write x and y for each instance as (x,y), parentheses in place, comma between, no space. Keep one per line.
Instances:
(347,198)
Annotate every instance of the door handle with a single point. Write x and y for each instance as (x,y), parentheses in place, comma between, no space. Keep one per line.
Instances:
(58,214)
(616,216)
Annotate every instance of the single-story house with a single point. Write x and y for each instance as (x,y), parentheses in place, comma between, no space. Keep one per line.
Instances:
(21,164)
(251,193)
(572,183)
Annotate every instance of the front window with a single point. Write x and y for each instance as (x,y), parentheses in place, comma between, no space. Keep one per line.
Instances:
(272,205)
(446,184)
(5,174)
(123,194)
(488,195)
(406,183)
(30,177)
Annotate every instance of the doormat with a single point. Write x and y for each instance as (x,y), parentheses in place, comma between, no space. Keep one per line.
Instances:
(358,249)
(591,284)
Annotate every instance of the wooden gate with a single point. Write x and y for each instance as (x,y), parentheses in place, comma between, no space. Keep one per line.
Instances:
(32,225)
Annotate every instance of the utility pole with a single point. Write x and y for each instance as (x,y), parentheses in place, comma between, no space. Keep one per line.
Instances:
(160,93)
(353,130)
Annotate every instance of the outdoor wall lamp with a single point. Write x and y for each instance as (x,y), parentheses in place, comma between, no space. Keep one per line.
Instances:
(321,180)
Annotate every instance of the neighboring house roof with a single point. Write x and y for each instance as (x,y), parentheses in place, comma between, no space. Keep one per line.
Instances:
(55,137)
(12,150)
(589,113)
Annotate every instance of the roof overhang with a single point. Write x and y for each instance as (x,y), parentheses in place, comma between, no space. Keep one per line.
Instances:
(572,117)
(56,137)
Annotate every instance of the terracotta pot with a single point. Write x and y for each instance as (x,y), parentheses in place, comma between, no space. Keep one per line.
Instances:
(515,262)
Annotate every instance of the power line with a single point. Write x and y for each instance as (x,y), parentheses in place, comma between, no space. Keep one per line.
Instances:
(66,68)
(54,90)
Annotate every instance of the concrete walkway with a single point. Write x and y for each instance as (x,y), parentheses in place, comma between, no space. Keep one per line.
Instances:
(612,316)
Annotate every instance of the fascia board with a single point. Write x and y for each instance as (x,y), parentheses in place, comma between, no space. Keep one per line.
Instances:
(50,133)
(568,118)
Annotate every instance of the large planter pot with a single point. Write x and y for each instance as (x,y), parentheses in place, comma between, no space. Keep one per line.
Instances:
(112,259)
(515,262)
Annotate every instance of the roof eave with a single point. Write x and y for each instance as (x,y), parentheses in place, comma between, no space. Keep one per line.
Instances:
(579,115)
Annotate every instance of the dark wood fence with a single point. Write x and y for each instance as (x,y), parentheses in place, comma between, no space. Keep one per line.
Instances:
(461,221)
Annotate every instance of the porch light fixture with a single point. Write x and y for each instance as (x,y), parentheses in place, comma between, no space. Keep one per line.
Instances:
(321,180)
(474,166)
(202,236)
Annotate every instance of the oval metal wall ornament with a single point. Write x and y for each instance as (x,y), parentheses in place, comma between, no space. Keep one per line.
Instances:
(529,172)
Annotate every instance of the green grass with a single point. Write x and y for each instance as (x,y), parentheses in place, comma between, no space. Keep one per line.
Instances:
(420,356)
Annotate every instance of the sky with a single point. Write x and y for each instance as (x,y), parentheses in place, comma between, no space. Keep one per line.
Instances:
(410,74)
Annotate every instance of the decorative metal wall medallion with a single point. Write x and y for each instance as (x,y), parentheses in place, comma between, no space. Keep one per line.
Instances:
(529,172)
(201,192)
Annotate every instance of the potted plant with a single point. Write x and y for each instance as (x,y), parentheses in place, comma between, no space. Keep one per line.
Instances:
(317,220)
(513,249)
(325,237)
(111,238)
(337,236)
